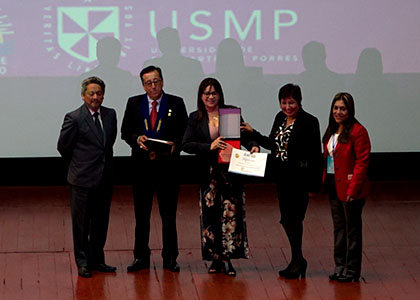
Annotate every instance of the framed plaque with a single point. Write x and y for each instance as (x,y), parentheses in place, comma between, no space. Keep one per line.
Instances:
(230,123)
(230,130)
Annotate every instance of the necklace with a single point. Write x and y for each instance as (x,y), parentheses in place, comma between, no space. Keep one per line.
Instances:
(214,116)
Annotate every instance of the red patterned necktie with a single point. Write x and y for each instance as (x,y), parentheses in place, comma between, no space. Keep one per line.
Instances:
(153,114)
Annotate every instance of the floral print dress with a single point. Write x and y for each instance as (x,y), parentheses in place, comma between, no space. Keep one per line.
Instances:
(222,216)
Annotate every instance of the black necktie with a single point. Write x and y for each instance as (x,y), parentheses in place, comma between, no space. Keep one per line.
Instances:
(98,126)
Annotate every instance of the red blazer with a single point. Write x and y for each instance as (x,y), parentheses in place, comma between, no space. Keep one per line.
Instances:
(351,162)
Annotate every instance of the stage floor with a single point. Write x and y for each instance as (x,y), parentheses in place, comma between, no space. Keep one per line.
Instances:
(36,259)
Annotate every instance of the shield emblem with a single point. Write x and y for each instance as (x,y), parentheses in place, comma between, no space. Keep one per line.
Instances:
(80,28)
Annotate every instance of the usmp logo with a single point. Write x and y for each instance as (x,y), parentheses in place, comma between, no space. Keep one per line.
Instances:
(6,41)
(72,32)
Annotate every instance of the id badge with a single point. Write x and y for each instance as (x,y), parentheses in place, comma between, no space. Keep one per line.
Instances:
(330,164)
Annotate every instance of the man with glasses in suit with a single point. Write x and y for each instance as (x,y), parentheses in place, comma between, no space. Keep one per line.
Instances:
(161,116)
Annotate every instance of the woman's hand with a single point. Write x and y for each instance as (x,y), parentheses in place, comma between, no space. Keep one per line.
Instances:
(246,127)
(255,149)
(218,144)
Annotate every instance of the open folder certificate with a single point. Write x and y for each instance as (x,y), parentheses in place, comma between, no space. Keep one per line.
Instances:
(245,163)
(159,146)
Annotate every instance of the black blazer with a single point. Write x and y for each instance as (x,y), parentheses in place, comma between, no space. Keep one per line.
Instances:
(174,122)
(197,141)
(79,143)
(304,148)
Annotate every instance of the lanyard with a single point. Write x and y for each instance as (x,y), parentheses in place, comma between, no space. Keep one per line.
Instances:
(334,142)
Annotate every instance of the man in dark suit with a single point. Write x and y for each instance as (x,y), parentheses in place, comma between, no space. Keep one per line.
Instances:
(157,115)
(86,140)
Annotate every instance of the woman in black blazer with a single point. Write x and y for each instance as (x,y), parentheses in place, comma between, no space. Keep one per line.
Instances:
(295,145)
(222,214)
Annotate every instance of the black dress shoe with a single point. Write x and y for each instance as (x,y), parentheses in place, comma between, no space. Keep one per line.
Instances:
(348,278)
(104,268)
(171,265)
(138,264)
(84,272)
(334,276)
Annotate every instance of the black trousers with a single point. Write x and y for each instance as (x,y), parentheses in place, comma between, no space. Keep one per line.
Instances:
(347,220)
(90,218)
(293,199)
(155,176)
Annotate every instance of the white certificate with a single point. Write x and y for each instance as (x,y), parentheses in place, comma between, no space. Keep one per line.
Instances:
(245,163)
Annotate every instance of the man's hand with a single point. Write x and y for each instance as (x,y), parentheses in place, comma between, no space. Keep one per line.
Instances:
(141,140)
(173,146)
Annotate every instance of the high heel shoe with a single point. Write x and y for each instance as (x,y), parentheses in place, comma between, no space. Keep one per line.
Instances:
(297,270)
(216,266)
(229,269)
(285,271)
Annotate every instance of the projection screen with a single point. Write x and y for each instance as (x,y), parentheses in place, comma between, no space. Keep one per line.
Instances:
(368,48)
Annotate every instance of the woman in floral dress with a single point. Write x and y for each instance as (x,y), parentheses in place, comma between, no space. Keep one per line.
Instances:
(222,213)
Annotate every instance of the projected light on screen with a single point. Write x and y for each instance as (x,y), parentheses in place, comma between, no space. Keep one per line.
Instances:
(48,46)
(6,42)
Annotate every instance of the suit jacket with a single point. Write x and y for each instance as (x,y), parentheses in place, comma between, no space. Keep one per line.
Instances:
(351,161)
(173,118)
(303,149)
(79,143)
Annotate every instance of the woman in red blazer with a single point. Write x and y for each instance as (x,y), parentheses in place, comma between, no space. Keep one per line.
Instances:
(346,155)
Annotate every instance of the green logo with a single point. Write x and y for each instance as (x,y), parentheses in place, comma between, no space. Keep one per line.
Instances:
(80,28)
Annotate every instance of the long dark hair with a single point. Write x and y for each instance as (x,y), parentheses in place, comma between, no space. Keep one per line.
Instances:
(348,123)
(203,85)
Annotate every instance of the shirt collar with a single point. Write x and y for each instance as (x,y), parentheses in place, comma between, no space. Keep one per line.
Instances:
(151,100)
(92,111)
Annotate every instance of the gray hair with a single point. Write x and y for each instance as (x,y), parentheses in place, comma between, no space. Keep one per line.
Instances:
(90,80)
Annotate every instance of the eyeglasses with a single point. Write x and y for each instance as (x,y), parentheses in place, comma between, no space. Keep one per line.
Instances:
(208,94)
(154,81)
